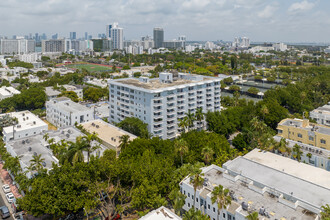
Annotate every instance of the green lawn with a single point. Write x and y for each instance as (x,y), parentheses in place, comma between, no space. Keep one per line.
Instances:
(89,67)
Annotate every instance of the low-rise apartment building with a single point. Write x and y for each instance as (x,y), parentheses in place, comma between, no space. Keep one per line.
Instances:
(7,92)
(305,132)
(161,213)
(321,115)
(25,148)
(274,186)
(28,124)
(107,133)
(62,112)
(162,101)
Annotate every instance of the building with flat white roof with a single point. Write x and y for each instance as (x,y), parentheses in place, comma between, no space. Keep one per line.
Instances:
(28,124)
(162,101)
(7,92)
(109,134)
(321,115)
(51,93)
(161,213)
(62,112)
(25,148)
(274,186)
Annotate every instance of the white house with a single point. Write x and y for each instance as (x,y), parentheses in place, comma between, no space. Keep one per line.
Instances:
(28,125)
(7,92)
(63,112)
(321,115)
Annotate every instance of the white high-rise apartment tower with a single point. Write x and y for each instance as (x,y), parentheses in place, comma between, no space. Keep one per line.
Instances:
(117,37)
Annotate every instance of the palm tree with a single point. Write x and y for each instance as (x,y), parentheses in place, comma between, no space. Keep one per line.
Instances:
(37,163)
(75,152)
(309,155)
(124,141)
(87,141)
(197,181)
(183,124)
(283,147)
(181,147)
(253,216)
(200,116)
(207,153)
(193,214)
(190,119)
(297,152)
(264,111)
(221,196)
(46,136)
(178,200)
(325,214)
(257,125)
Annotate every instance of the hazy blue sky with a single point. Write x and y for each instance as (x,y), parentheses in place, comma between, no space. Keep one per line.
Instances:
(261,20)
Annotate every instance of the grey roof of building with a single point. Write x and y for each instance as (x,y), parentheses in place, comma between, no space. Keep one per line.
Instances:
(314,194)
(68,105)
(39,145)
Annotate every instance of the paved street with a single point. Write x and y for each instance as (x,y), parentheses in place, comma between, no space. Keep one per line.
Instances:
(2,202)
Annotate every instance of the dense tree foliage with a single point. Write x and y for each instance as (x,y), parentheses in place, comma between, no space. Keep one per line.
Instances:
(30,99)
(70,94)
(95,94)
(134,126)
(19,64)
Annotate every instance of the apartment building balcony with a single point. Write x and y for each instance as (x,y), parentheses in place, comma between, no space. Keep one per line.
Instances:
(158,121)
(158,128)
(170,98)
(171,135)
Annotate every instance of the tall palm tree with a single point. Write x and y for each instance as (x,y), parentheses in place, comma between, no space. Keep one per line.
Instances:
(178,200)
(37,163)
(264,111)
(258,125)
(253,216)
(197,181)
(124,141)
(190,119)
(283,147)
(221,196)
(75,152)
(309,155)
(325,214)
(181,147)
(183,124)
(200,116)
(46,136)
(297,152)
(207,153)
(87,141)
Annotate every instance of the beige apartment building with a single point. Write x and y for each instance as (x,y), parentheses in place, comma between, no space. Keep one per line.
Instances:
(305,132)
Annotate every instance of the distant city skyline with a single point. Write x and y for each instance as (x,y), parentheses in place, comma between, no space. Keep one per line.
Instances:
(261,21)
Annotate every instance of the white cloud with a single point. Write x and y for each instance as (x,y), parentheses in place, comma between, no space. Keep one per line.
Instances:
(301,6)
(197,19)
(267,12)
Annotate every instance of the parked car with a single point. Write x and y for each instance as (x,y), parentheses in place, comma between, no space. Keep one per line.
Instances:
(6,188)
(19,216)
(4,212)
(10,197)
